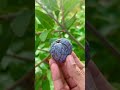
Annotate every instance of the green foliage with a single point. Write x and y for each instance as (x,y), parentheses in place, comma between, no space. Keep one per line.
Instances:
(19,25)
(43,35)
(105,18)
(16,42)
(70,14)
(45,21)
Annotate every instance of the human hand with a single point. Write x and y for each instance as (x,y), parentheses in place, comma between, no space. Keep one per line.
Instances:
(69,75)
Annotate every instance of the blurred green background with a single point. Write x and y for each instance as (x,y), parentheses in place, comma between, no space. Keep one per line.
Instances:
(104,16)
(16,44)
(47,31)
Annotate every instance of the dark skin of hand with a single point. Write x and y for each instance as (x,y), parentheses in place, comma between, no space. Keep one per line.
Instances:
(70,75)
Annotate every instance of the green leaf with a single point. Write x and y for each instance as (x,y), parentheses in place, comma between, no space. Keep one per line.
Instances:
(36,24)
(20,23)
(49,76)
(38,84)
(50,4)
(46,84)
(44,19)
(57,13)
(69,5)
(70,22)
(37,42)
(52,39)
(43,35)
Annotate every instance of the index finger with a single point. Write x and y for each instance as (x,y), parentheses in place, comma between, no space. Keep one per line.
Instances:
(56,75)
(75,72)
(58,80)
(77,61)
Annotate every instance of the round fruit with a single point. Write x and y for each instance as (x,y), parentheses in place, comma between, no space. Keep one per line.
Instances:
(60,49)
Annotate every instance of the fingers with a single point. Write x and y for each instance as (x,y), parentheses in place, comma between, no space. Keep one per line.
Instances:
(72,71)
(58,80)
(67,77)
(56,76)
(75,72)
(78,62)
(75,88)
(99,80)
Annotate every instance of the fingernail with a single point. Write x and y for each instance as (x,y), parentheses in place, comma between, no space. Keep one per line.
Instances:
(71,60)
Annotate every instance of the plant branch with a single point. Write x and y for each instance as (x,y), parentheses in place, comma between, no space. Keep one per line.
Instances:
(63,27)
(10,16)
(7,16)
(37,33)
(59,31)
(25,78)
(45,59)
(106,43)
(43,50)
(62,9)
(20,58)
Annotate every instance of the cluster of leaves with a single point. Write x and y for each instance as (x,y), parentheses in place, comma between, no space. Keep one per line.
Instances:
(16,36)
(51,20)
(105,18)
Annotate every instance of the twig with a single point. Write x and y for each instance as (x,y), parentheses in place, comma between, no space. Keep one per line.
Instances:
(43,50)
(27,76)
(37,33)
(45,59)
(71,36)
(103,39)
(19,57)
(59,31)
(10,15)
(64,28)
(62,9)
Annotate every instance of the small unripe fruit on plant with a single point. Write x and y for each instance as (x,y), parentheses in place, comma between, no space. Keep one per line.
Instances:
(60,49)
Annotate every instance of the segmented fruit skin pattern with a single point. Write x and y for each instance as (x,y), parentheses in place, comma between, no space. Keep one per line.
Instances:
(60,49)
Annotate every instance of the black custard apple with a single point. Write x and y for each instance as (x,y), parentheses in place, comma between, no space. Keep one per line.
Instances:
(60,49)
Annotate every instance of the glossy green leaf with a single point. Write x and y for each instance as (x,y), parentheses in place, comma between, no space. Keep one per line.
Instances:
(57,13)
(38,84)
(43,35)
(50,4)
(46,84)
(70,22)
(49,76)
(69,5)
(44,19)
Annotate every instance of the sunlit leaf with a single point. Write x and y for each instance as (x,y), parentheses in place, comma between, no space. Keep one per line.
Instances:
(43,35)
(50,4)
(69,5)
(44,19)
(46,84)
(70,22)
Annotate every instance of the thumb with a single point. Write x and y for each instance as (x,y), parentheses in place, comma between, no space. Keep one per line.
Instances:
(75,72)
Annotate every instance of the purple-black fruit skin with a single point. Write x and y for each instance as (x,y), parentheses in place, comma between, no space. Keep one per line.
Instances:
(60,49)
